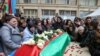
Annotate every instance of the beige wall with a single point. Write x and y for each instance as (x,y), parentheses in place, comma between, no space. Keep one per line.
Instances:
(56,6)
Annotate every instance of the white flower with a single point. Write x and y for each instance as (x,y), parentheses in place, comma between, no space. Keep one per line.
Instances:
(37,35)
(58,30)
(46,32)
(51,31)
(46,37)
(29,42)
(40,43)
(42,34)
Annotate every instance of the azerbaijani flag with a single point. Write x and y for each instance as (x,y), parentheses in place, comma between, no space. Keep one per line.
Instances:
(12,6)
(57,46)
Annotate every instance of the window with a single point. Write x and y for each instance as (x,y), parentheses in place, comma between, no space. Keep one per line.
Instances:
(72,2)
(88,2)
(48,1)
(68,2)
(73,13)
(17,1)
(48,13)
(26,1)
(62,2)
(30,1)
(17,11)
(67,13)
(34,1)
(30,13)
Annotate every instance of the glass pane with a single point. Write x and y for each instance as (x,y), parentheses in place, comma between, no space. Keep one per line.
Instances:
(45,12)
(25,1)
(82,2)
(67,13)
(26,12)
(92,2)
(61,1)
(61,12)
(73,13)
(17,11)
(32,12)
(72,2)
(42,1)
(17,1)
(52,12)
(34,1)
(49,1)
(87,2)
(29,1)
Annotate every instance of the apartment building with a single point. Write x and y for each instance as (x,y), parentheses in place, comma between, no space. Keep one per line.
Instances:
(49,8)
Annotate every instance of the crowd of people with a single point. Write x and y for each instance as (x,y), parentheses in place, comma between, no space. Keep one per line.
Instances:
(15,30)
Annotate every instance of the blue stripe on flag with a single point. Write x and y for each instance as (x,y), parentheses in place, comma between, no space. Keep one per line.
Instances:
(13,5)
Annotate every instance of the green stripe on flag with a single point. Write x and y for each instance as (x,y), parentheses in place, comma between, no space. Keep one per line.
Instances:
(57,46)
(6,8)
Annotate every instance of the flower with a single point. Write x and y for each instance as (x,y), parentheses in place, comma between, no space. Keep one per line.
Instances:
(45,32)
(46,38)
(29,42)
(51,31)
(37,35)
(40,43)
(58,30)
(42,35)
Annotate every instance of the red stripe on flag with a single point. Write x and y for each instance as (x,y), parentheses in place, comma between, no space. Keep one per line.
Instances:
(9,5)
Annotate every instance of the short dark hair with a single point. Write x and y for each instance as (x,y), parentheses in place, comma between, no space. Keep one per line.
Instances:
(30,23)
(7,17)
(77,18)
(88,18)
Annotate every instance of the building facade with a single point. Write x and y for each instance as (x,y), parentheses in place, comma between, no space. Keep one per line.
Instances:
(49,8)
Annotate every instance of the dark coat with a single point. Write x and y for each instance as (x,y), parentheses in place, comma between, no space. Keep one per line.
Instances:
(57,25)
(91,42)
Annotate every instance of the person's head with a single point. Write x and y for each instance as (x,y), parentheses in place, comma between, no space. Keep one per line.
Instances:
(55,19)
(81,29)
(82,21)
(97,25)
(44,22)
(31,25)
(77,21)
(52,20)
(88,20)
(22,22)
(11,20)
(38,24)
(68,22)
(59,19)
(48,21)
